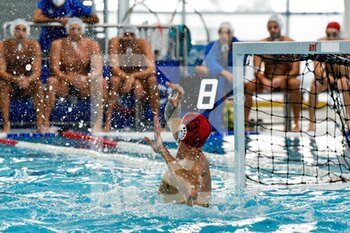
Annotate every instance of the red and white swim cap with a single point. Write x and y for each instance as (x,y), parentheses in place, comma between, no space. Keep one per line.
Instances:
(194,129)
(333,25)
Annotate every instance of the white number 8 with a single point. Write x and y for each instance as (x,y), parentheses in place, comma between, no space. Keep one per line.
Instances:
(207,94)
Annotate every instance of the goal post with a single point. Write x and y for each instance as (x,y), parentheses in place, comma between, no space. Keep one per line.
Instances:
(240,51)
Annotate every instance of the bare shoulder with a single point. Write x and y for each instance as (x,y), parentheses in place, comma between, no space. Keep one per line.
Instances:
(92,42)
(1,47)
(287,38)
(200,160)
(93,45)
(115,40)
(9,42)
(33,43)
(142,41)
(322,39)
(57,43)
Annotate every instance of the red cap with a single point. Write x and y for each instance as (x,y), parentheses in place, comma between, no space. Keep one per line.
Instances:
(194,129)
(333,25)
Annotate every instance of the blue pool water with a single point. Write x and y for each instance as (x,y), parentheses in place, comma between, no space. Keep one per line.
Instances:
(47,192)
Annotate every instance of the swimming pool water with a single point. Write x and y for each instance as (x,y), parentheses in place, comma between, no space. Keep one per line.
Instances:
(46,192)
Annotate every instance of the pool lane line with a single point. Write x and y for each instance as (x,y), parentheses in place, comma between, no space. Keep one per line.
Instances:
(145,162)
(77,151)
(166,136)
(123,145)
(88,138)
(127,136)
(129,146)
(107,143)
(27,135)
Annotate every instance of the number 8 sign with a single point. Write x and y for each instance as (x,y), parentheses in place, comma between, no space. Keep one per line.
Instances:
(207,93)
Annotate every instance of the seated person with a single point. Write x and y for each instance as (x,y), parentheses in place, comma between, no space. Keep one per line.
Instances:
(277,75)
(76,63)
(59,11)
(20,70)
(133,71)
(218,58)
(218,65)
(188,179)
(326,76)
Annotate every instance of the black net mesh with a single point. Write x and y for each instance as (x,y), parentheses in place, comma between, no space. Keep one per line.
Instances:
(301,120)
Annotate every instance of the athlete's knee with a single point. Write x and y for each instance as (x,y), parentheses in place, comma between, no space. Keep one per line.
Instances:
(52,82)
(126,89)
(139,91)
(114,82)
(127,86)
(294,83)
(38,85)
(250,87)
(343,84)
(5,86)
(152,81)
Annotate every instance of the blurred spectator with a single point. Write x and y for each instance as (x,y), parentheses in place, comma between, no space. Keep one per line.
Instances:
(133,70)
(276,75)
(76,63)
(326,75)
(20,69)
(219,53)
(218,64)
(59,11)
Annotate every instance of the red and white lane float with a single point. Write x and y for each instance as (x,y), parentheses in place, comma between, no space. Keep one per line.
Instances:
(146,161)
(88,138)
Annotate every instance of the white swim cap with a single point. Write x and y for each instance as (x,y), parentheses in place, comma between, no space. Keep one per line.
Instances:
(131,29)
(227,25)
(276,18)
(16,22)
(78,21)
(58,3)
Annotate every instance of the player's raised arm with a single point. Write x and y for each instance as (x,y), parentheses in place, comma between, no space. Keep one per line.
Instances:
(173,108)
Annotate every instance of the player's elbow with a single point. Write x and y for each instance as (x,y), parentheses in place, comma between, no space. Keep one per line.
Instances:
(94,18)
(37,16)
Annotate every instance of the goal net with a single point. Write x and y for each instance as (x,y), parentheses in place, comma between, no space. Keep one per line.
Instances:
(297,101)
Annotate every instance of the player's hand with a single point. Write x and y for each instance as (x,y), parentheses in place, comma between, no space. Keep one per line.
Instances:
(81,81)
(130,77)
(64,20)
(156,144)
(23,82)
(227,75)
(177,95)
(202,70)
